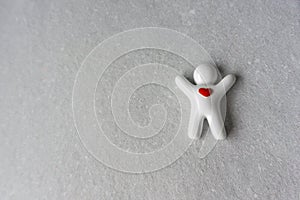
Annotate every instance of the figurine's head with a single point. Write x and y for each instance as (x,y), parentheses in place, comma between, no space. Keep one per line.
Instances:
(205,74)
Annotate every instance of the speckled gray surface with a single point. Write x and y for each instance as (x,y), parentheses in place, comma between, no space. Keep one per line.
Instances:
(42,45)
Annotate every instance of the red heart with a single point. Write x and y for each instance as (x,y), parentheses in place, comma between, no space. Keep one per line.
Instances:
(205,91)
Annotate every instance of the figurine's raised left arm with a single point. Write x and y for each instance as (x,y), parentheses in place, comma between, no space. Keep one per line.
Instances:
(184,85)
(227,82)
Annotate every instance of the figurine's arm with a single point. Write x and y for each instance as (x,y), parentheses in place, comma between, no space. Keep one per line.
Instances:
(184,85)
(227,82)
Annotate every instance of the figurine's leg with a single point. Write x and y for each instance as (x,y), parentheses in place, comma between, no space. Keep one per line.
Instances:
(195,123)
(199,132)
(216,125)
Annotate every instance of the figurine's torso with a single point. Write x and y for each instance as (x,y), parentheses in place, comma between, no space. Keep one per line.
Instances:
(206,98)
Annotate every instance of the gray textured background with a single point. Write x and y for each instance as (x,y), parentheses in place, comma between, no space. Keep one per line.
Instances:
(42,45)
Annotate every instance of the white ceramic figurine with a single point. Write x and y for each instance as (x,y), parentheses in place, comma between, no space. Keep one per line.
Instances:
(205,98)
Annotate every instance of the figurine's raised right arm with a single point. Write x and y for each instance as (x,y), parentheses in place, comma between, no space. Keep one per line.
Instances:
(227,82)
(184,85)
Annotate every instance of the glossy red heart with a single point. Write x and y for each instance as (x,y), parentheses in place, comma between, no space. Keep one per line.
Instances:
(205,91)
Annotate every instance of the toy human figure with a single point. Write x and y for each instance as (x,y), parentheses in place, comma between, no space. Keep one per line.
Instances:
(205,98)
